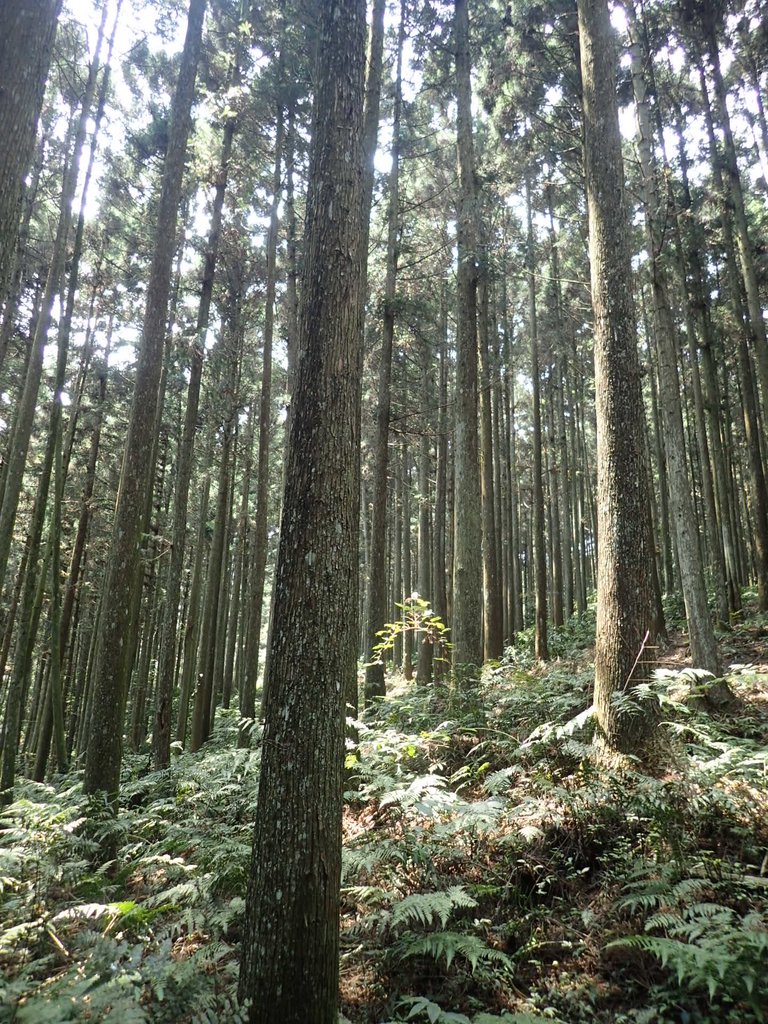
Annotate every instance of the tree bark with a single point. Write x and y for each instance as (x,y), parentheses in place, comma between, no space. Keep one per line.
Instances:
(624,586)
(261,524)
(493,629)
(539,549)
(26,45)
(467,633)
(290,952)
(376,605)
(701,634)
(745,333)
(161,734)
(110,685)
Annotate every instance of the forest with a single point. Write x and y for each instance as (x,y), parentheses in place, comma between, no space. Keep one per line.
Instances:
(384,511)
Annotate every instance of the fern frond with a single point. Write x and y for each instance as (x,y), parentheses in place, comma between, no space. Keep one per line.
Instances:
(513,1018)
(423,908)
(449,945)
(501,781)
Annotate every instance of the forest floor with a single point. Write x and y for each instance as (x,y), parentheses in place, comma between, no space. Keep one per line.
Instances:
(492,871)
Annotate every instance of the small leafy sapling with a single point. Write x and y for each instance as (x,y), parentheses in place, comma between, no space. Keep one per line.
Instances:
(418,618)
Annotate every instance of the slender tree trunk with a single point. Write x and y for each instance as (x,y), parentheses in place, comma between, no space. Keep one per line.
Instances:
(33,594)
(712,404)
(560,435)
(467,619)
(60,614)
(701,634)
(27,406)
(744,334)
(376,610)
(539,549)
(735,208)
(493,631)
(440,565)
(26,45)
(193,625)
(555,534)
(515,574)
(406,584)
(396,547)
(240,564)
(161,734)
(202,718)
(424,573)
(102,770)
(261,525)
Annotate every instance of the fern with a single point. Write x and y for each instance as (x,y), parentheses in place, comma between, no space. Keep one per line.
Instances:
(707,946)
(420,1007)
(448,945)
(501,781)
(424,908)
(730,962)
(513,1018)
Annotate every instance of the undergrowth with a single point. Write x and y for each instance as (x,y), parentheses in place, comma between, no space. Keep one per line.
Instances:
(492,872)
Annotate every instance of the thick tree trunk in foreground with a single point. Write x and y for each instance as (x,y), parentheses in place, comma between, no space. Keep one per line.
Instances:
(624,584)
(290,959)
(110,686)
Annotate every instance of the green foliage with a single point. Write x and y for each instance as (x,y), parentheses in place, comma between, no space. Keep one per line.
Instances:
(421,1008)
(566,642)
(425,908)
(486,856)
(447,945)
(707,946)
(149,936)
(418,619)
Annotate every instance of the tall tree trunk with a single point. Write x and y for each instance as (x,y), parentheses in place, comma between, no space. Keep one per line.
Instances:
(406,583)
(493,631)
(624,586)
(241,552)
(60,614)
(439,561)
(467,635)
(193,625)
(290,951)
(27,406)
(261,525)
(736,210)
(555,533)
(515,574)
(744,334)
(202,718)
(424,562)
(102,769)
(376,605)
(33,593)
(560,435)
(26,45)
(539,549)
(701,634)
(161,734)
